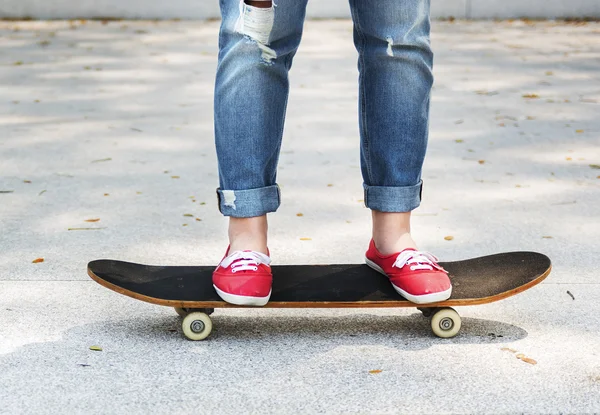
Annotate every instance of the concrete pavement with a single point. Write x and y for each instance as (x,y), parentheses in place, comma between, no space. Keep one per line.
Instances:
(114,122)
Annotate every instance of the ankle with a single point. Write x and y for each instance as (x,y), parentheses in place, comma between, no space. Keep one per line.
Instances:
(391,232)
(387,245)
(248,234)
(247,244)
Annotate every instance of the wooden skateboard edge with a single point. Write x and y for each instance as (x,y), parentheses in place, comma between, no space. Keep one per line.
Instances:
(323,304)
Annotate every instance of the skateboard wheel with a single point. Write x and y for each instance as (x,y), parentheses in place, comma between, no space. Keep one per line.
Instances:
(196,326)
(445,323)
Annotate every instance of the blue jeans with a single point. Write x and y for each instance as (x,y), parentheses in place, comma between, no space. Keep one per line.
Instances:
(256,49)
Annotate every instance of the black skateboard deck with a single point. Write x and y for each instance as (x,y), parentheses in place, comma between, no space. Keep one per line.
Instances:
(189,288)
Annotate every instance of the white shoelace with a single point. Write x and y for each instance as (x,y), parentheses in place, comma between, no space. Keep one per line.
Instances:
(417,260)
(245,261)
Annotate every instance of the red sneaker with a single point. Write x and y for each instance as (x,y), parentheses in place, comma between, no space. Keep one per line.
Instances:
(414,274)
(244,278)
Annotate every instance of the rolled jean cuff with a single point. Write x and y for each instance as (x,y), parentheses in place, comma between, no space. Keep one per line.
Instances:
(249,203)
(392,198)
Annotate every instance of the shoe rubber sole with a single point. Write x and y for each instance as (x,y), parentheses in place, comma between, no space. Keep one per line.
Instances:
(417,299)
(242,299)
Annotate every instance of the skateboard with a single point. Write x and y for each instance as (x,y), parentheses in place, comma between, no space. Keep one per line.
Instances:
(190,291)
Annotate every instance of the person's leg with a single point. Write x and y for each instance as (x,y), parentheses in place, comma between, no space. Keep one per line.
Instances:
(257,42)
(395,63)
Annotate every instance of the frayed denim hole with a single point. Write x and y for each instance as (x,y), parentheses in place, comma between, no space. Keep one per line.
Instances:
(256,25)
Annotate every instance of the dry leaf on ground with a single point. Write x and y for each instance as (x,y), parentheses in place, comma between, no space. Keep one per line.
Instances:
(525,359)
(92,220)
(38,260)
(449,238)
(375,371)
(306,239)
(96,348)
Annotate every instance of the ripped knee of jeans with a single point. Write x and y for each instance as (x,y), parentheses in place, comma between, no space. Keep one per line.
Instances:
(256,21)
